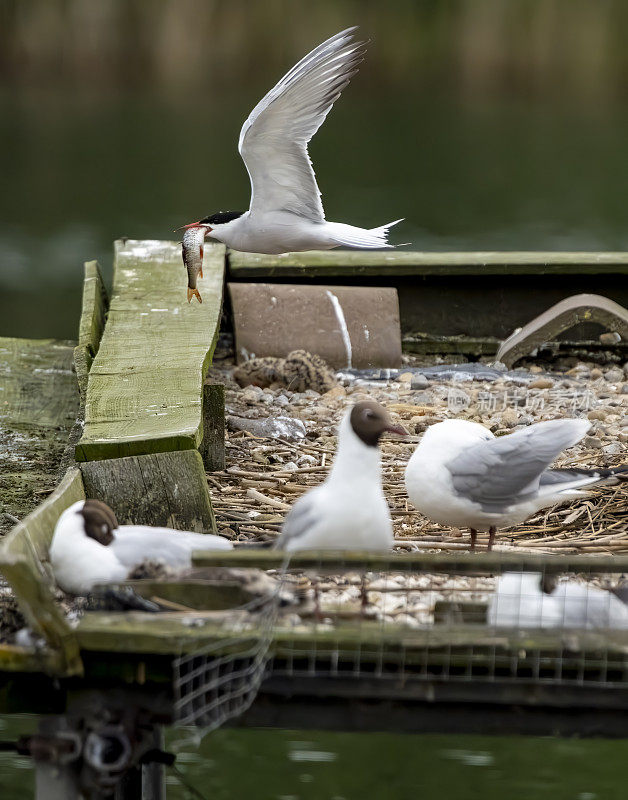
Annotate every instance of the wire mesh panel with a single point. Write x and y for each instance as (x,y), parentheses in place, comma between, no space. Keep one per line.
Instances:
(413,619)
(220,681)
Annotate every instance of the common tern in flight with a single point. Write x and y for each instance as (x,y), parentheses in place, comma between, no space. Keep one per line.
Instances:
(286,213)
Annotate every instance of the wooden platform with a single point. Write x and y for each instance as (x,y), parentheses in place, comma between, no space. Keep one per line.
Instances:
(144,387)
(141,367)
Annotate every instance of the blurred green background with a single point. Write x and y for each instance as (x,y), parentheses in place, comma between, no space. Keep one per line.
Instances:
(488,124)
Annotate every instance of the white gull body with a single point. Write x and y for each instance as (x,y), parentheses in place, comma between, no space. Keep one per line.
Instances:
(79,562)
(519,601)
(462,475)
(286,213)
(348,511)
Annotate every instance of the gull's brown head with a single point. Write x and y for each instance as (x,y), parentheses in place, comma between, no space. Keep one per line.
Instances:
(369,421)
(100,521)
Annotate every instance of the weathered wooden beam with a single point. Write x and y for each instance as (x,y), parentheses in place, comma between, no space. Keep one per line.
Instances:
(94,308)
(14,658)
(561,317)
(137,632)
(204,595)
(22,553)
(144,387)
(38,387)
(406,263)
(212,447)
(457,612)
(454,563)
(164,489)
(424,344)
(38,406)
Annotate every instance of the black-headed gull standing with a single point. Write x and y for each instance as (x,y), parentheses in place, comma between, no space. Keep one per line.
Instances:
(348,511)
(89,547)
(286,213)
(462,475)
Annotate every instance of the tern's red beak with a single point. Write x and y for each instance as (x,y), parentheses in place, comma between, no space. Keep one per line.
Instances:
(189,225)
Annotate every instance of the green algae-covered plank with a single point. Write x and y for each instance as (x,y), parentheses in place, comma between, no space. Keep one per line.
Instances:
(94,307)
(145,384)
(14,658)
(39,403)
(22,555)
(37,384)
(174,633)
(381,263)
(190,592)
(163,489)
(451,563)
(92,323)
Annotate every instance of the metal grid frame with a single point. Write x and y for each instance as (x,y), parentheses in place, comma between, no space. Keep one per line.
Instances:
(221,681)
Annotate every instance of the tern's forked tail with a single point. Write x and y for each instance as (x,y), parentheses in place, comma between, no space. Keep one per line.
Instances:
(351,236)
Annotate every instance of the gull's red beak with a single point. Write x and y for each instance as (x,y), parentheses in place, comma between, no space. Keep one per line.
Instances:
(189,225)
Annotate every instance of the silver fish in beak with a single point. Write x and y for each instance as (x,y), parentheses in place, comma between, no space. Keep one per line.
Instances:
(192,251)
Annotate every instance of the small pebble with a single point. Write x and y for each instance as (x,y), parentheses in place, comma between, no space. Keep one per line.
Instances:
(612,449)
(610,338)
(419,382)
(624,389)
(336,393)
(510,418)
(592,441)
(541,383)
(614,375)
(596,374)
(405,377)
(597,413)
(252,395)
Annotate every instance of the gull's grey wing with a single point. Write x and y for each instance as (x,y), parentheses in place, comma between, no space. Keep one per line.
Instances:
(274,138)
(498,473)
(299,520)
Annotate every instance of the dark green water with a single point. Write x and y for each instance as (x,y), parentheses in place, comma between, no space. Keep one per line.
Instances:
(501,174)
(311,765)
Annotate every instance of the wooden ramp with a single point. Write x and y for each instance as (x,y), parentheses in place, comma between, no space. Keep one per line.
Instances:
(145,384)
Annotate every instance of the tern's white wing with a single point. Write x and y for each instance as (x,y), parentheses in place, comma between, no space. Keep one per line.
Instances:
(273,140)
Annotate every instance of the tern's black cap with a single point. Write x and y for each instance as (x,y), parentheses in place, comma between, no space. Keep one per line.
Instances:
(221,217)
